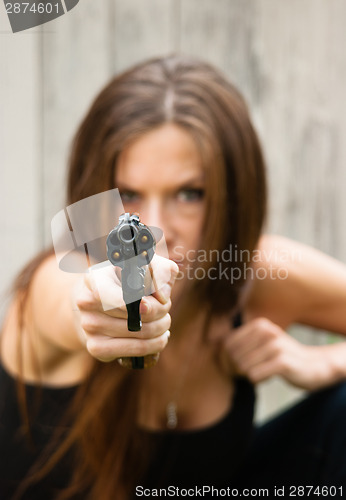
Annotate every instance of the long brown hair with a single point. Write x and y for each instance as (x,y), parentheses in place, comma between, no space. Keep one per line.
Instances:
(195,96)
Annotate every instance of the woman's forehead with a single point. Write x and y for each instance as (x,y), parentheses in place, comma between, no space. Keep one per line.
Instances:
(166,153)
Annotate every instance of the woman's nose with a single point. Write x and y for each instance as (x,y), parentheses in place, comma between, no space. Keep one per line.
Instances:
(154,213)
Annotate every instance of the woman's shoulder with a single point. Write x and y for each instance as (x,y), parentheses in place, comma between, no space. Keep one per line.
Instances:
(39,333)
(295,283)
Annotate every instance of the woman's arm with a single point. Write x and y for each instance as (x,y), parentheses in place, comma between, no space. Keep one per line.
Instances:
(65,325)
(301,286)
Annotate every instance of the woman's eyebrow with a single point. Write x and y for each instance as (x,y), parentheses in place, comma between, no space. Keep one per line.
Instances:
(175,184)
(123,185)
(191,182)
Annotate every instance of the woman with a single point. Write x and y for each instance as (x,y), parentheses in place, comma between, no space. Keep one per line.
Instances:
(176,139)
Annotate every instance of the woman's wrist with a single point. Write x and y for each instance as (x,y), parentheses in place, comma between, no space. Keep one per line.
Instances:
(336,356)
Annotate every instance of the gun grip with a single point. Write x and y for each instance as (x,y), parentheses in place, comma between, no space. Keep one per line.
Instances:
(134,324)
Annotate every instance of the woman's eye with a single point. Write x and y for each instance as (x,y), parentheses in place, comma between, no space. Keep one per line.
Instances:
(128,196)
(190,194)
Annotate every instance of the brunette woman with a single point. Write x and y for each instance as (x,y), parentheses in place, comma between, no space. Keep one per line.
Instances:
(175,137)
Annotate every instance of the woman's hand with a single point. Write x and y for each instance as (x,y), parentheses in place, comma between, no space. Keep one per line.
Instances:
(104,330)
(261,349)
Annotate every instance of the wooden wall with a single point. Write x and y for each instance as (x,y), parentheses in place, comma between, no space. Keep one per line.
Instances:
(286,57)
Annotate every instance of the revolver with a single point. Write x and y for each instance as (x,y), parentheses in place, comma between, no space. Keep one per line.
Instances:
(131,246)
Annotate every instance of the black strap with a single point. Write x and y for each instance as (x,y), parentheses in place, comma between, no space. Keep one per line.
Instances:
(237,320)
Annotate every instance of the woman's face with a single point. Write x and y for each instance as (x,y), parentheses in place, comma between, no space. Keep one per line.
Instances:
(160,177)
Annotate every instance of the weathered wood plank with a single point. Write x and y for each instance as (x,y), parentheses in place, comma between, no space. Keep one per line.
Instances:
(20,184)
(75,66)
(300,118)
(221,32)
(142,30)
(301,124)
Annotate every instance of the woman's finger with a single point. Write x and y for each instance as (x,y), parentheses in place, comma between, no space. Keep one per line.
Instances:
(163,273)
(257,356)
(252,336)
(107,349)
(103,325)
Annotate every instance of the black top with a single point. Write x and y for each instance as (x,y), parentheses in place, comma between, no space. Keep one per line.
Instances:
(18,452)
(208,456)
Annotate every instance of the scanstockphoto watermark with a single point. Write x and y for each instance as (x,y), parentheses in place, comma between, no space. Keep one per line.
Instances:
(241,264)
(27,14)
(211,491)
(202,491)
